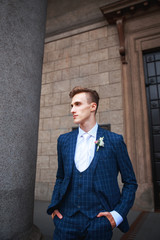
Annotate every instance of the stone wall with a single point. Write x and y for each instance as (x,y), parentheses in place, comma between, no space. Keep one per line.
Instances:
(90,59)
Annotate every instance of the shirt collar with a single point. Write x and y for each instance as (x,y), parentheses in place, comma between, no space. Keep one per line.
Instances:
(92,132)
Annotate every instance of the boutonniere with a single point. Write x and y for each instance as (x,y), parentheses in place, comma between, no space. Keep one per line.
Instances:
(99,143)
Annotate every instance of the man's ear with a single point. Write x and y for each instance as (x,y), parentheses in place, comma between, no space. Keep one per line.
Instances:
(93,107)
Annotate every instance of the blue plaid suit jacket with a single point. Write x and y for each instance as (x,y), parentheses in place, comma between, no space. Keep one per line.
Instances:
(110,160)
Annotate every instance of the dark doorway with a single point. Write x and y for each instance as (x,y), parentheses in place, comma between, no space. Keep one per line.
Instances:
(152,81)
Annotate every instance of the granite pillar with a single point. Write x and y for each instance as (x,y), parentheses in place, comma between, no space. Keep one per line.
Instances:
(22,27)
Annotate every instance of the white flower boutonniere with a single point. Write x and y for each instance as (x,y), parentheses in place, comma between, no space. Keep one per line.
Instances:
(99,142)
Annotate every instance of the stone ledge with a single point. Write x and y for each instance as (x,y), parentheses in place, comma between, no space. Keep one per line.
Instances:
(36,234)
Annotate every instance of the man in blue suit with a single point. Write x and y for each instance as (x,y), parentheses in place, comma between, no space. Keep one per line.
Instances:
(87,202)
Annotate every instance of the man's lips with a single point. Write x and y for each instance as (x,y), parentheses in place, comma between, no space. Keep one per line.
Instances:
(74,116)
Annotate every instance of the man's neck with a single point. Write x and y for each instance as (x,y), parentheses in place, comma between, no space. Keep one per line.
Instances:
(86,127)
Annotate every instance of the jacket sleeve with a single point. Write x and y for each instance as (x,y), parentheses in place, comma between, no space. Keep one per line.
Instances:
(59,179)
(128,179)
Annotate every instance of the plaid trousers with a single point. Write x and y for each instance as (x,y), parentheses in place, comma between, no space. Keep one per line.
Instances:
(80,227)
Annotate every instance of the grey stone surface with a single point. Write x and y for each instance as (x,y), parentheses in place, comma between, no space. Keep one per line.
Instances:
(72,14)
(36,234)
(42,220)
(22,26)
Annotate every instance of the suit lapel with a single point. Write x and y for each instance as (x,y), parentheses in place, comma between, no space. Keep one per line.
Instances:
(72,148)
(98,153)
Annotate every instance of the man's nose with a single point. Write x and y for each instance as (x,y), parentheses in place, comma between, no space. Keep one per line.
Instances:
(72,110)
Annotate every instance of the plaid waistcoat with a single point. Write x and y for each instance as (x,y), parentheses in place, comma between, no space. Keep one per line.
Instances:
(80,195)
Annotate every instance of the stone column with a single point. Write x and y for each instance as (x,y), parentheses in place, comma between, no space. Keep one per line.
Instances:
(22,27)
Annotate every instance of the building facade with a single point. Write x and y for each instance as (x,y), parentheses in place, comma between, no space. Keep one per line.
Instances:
(113,47)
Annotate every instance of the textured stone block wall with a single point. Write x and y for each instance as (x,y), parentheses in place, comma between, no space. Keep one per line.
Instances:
(90,59)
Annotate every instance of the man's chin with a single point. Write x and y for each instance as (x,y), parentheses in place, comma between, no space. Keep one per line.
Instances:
(76,121)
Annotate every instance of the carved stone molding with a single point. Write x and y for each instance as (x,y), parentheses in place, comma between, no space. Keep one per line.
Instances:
(138,26)
(120,29)
(125,8)
(118,12)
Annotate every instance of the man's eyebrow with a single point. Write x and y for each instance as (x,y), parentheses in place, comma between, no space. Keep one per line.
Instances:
(75,103)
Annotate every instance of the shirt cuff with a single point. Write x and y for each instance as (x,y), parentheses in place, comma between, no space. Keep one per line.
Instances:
(117,217)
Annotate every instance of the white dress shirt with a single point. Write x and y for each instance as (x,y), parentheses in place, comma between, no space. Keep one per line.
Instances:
(85,149)
(88,148)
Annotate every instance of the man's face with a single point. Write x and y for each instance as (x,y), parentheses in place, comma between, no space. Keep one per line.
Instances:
(81,109)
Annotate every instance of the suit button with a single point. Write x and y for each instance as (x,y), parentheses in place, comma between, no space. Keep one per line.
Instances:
(78,206)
